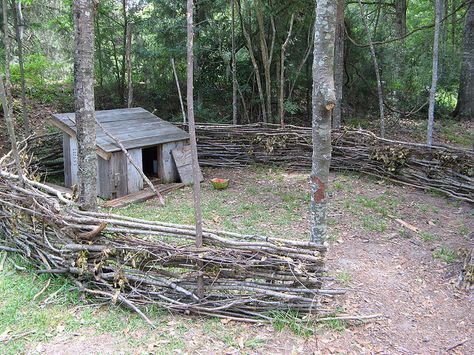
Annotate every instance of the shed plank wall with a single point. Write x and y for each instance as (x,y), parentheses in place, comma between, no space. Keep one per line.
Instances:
(167,171)
(134,179)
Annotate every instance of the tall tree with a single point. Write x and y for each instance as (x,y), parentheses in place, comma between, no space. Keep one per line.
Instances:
(249,45)
(401,31)
(281,100)
(6,43)
(192,134)
(434,74)
(267,55)
(84,11)
(11,129)
(339,64)
(234,66)
(323,102)
(465,104)
(18,23)
(376,68)
(128,57)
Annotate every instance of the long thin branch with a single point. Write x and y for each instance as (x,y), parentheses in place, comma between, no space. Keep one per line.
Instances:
(132,161)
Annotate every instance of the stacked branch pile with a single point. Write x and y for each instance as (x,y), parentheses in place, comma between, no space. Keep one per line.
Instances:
(138,262)
(442,168)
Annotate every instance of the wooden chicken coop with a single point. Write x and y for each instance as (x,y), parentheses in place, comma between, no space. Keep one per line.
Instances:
(147,138)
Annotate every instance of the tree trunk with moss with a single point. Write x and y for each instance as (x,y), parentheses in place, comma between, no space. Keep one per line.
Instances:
(323,102)
(84,102)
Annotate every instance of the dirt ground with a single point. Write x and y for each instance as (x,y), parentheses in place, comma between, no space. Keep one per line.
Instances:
(387,268)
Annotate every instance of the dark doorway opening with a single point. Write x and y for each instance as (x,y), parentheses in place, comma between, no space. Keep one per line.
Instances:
(150,161)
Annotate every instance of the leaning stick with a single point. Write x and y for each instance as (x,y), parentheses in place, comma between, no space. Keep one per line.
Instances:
(179,90)
(135,165)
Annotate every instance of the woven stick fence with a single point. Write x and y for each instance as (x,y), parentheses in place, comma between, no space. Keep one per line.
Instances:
(138,262)
(445,169)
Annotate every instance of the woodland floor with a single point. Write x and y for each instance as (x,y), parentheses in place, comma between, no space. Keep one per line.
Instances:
(408,277)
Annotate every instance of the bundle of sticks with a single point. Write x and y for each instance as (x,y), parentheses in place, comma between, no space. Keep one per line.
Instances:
(445,169)
(138,262)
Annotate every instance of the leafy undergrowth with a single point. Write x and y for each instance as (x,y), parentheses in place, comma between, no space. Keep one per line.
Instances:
(259,200)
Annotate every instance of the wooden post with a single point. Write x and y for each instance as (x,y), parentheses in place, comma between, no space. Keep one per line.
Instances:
(192,134)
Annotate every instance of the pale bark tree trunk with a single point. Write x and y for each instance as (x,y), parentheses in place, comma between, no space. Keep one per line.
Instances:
(323,102)
(234,67)
(339,64)
(281,101)
(128,57)
(254,64)
(434,77)
(11,129)
(465,104)
(266,56)
(84,102)
(178,87)
(6,43)
(18,23)
(192,134)
(376,68)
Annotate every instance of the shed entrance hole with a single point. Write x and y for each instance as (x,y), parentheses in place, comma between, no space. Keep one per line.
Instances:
(150,161)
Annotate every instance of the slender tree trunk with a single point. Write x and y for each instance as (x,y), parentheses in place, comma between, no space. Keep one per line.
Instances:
(434,78)
(465,104)
(192,134)
(266,57)
(18,23)
(339,64)
(123,68)
(128,57)
(254,63)
(281,101)
(99,50)
(6,43)
(179,90)
(303,61)
(8,91)
(401,31)
(376,68)
(323,102)
(84,102)
(234,67)
(11,129)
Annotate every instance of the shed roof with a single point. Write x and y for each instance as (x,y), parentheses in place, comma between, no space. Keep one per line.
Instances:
(134,127)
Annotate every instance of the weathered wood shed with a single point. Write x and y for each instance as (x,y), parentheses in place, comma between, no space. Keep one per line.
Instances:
(148,139)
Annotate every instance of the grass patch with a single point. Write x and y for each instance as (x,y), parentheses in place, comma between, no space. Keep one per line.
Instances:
(427,236)
(292,321)
(373,224)
(20,313)
(445,254)
(344,277)
(335,325)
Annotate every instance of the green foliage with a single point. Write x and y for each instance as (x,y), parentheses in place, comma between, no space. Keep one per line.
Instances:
(445,254)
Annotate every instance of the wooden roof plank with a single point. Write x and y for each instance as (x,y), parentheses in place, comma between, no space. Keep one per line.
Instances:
(135,127)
